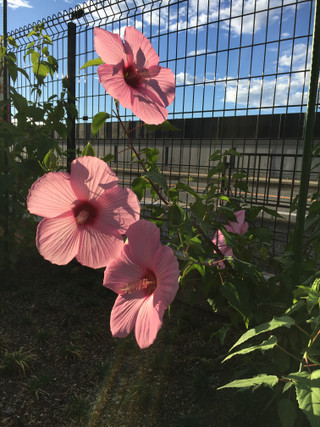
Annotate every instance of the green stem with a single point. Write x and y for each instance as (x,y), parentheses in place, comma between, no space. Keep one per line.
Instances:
(307,151)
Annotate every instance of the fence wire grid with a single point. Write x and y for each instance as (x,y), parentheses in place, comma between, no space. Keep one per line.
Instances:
(242,74)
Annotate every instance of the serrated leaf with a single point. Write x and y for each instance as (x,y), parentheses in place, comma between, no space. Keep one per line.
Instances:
(308,394)
(157,178)
(98,121)
(276,322)
(95,61)
(262,379)
(166,125)
(265,345)
(88,150)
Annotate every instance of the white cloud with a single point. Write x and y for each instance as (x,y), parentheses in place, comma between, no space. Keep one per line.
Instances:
(197,52)
(268,92)
(14,4)
(297,57)
(186,78)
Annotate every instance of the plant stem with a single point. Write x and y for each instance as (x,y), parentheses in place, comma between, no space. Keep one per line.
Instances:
(307,151)
(155,187)
(289,354)
(302,330)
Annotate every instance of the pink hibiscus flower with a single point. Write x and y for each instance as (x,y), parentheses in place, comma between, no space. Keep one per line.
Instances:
(131,74)
(239,227)
(146,278)
(84,213)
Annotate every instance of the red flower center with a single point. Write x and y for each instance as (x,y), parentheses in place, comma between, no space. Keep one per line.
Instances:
(85,213)
(148,283)
(133,77)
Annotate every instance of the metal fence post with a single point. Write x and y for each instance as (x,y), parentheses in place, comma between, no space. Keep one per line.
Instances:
(307,149)
(71,139)
(6,150)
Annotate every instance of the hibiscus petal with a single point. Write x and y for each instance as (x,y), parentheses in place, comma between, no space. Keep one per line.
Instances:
(119,207)
(91,177)
(99,246)
(112,80)
(244,228)
(166,269)
(149,321)
(58,239)
(219,240)
(162,83)
(144,241)
(108,46)
(124,314)
(140,48)
(122,272)
(240,215)
(237,227)
(146,107)
(51,195)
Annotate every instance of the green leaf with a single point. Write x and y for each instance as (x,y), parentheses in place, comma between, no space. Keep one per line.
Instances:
(151,155)
(198,209)
(265,345)
(95,61)
(286,412)
(243,186)
(45,51)
(176,215)
(19,101)
(294,203)
(272,212)
(157,178)
(238,175)
(22,71)
(88,150)
(216,170)
(187,189)
(216,155)
(139,186)
(222,197)
(12,41)
(97,121)
(276,322)
(308,394)
(189,268)
(50,161)
(262,379)
(166,125)
(108,158)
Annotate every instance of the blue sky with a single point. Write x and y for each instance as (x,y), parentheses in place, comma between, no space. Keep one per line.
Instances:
(24,12)
(264,68)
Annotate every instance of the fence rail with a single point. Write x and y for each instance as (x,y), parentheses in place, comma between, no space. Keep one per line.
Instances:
(242,75)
